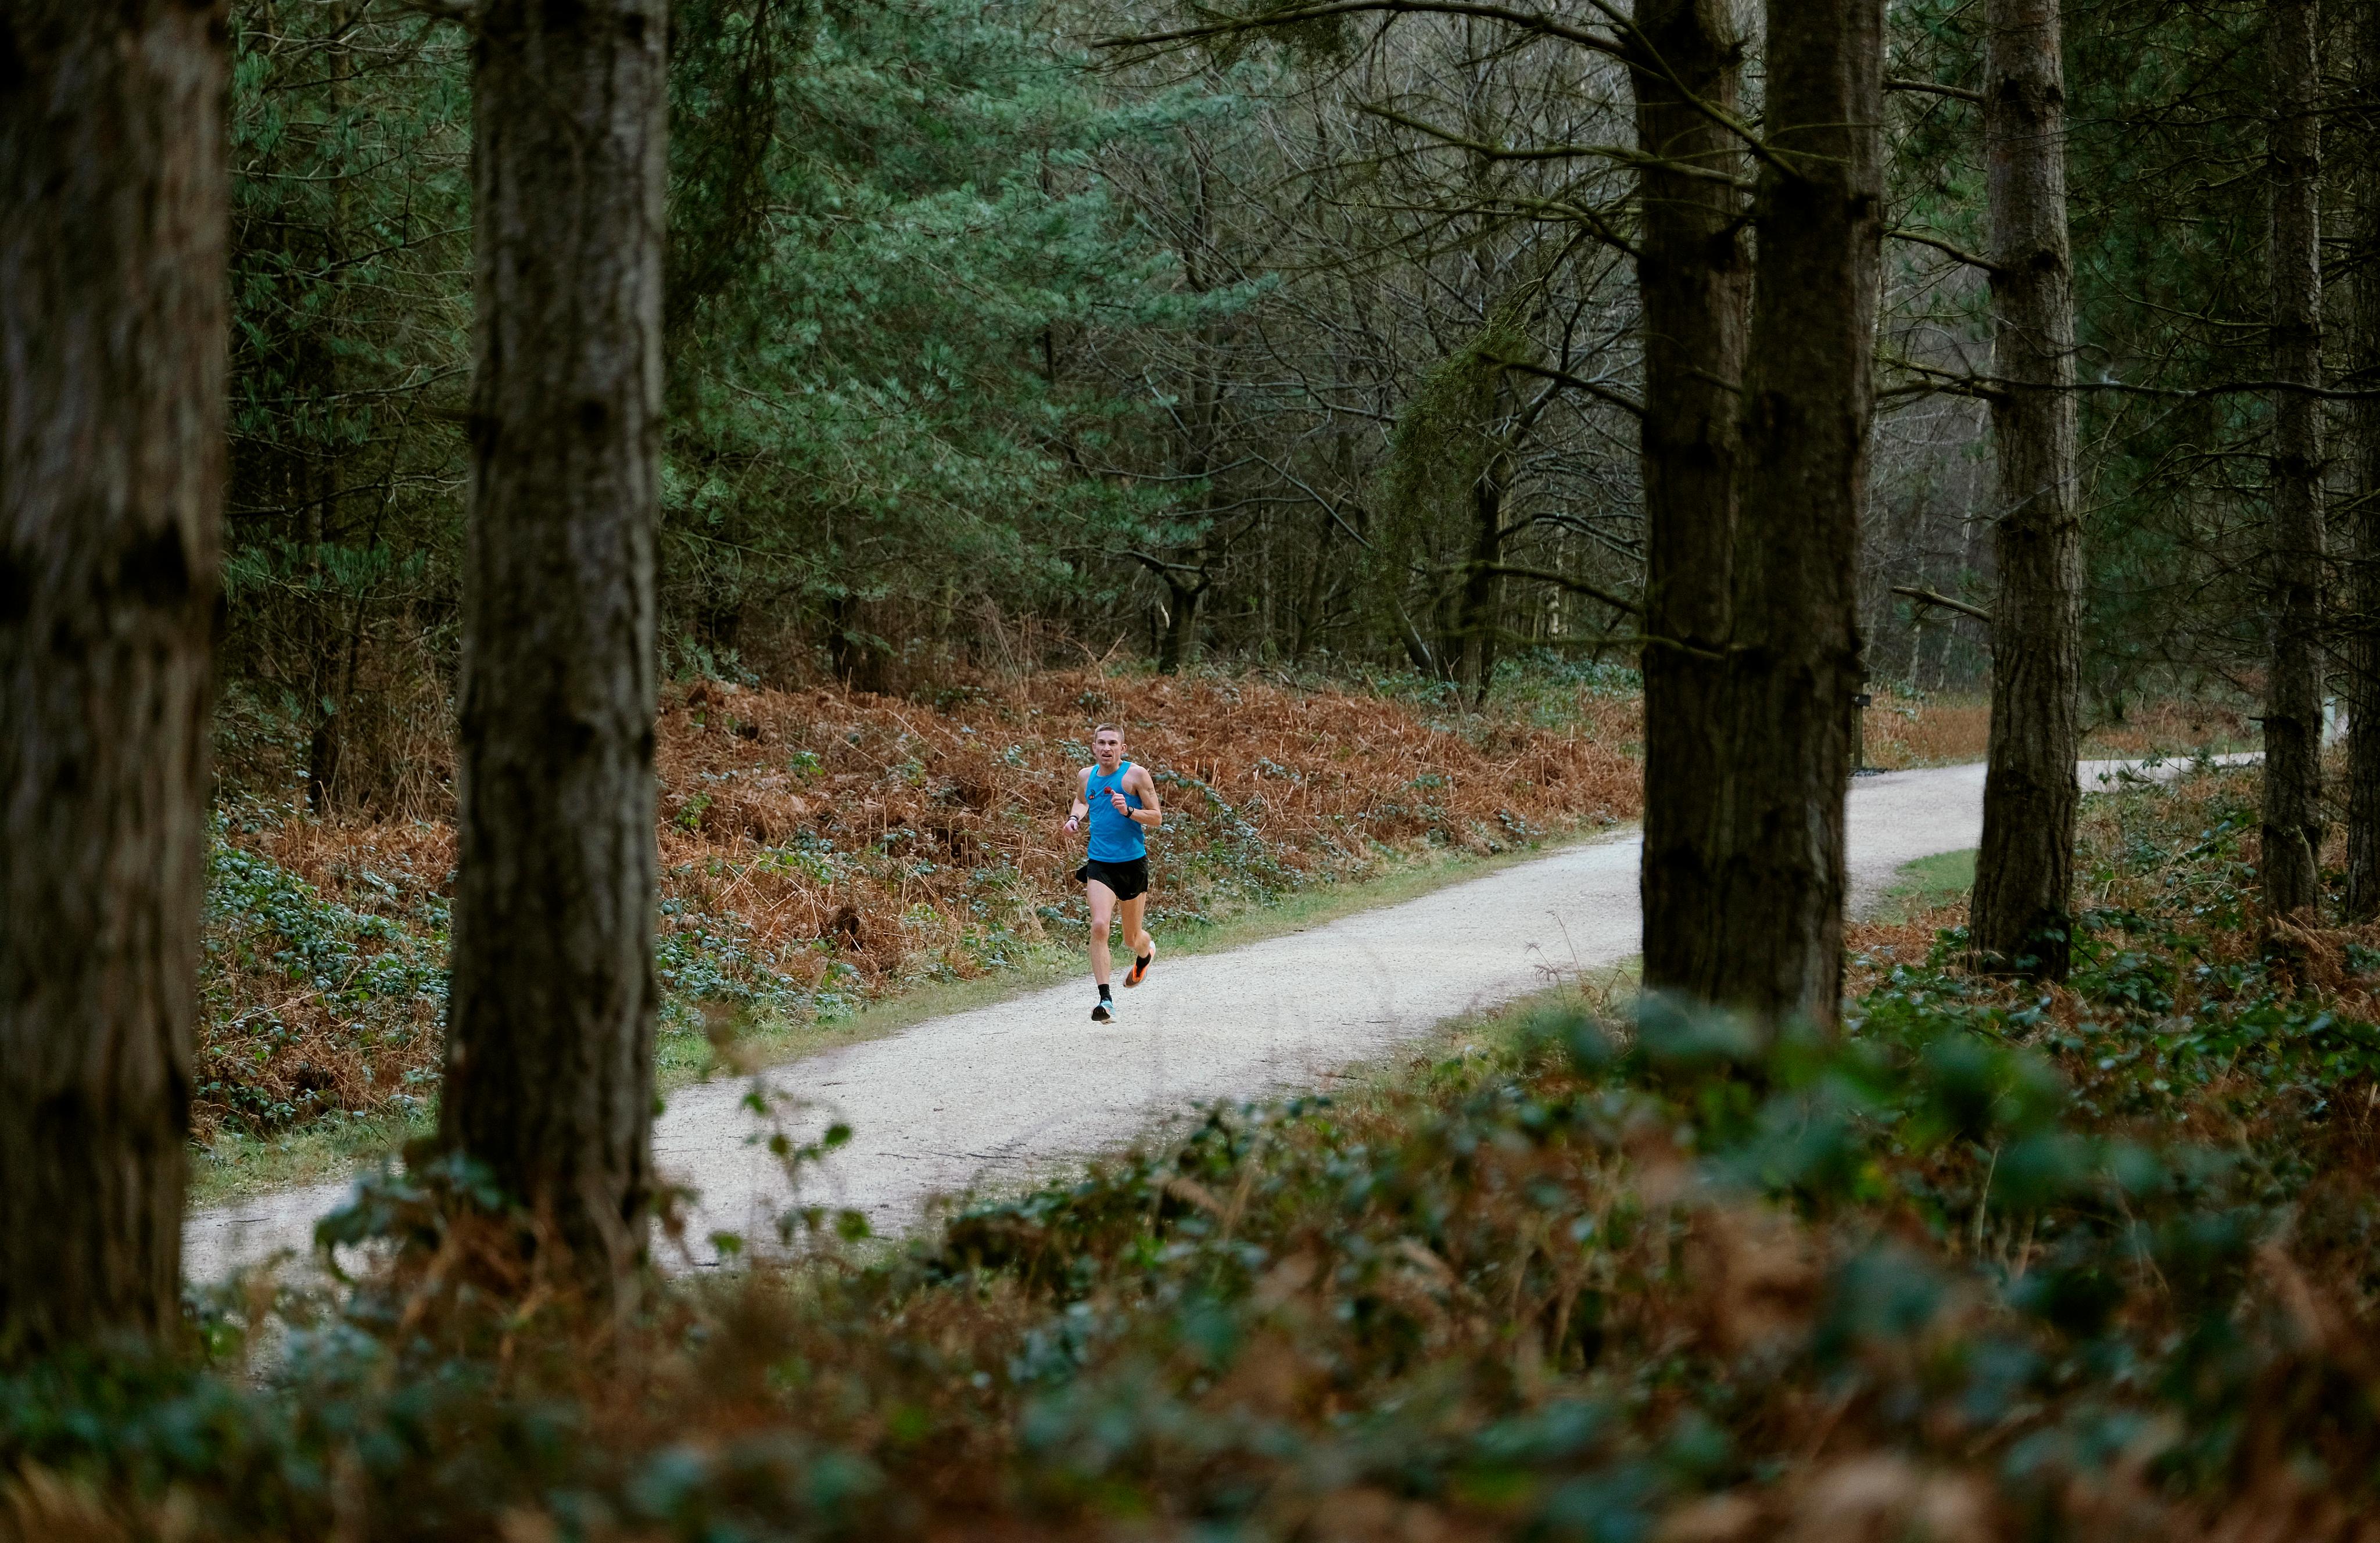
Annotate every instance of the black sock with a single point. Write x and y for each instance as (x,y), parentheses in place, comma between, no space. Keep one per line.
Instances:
(1104,994)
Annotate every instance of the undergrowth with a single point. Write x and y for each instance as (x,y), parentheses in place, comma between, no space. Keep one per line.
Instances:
(823,850)
(1998,1262)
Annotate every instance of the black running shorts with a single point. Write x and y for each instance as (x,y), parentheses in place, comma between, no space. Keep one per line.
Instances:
(1130,881)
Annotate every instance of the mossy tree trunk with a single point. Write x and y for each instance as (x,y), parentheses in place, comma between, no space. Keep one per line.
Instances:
(2362,554)
(2293,816)
(1482,605)
(549,1034)
(112,301)
(2024,871)
(1793,660)
(1695,284)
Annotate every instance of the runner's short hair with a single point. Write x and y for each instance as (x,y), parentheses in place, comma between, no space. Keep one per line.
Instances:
(1107,728)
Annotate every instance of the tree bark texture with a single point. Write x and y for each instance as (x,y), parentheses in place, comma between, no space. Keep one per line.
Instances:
(1794,657)
(1180,646)
(2363,511)
(113,315)
(2293,816)
(550,1031)
(1482,601)
(2364,486)
(2024,871)
(1695,284)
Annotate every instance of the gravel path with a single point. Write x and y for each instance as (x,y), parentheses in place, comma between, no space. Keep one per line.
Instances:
(1003,1093)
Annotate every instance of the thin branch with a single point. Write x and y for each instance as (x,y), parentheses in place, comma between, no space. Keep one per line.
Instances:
(1929,597)
(1938,382)
(1930,87)
(1922,238)
(1531,21)
(1601,393)
(1627,155)
(1996,387)
(1166,570)
(1639,56)
(1563,580)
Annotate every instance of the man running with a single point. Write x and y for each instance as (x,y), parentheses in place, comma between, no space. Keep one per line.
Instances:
(1119,799)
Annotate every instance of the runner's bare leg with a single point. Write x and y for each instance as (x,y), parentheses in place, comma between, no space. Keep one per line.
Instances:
(1135,936)
(1103,907)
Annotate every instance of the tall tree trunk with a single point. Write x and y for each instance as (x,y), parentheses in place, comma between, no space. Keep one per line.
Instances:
(1695,287)
(2292,824)
(2025,871)
(550,1031)
(1794,662)
(2363,490)
(1483,587)
(1179,646)
(112,462)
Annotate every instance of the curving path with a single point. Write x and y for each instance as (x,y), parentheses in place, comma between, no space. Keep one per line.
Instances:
(1005,1093)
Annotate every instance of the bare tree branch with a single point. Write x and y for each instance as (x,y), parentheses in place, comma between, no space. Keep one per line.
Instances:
(1530,21)
(1595,389)
(1929,597)
(1627,155)
(1930,87)
(1951,383)
(1634,52)
(1563,580)
(1922,238)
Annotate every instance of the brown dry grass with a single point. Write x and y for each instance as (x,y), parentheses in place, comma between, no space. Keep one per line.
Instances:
(1276,787)
(1903,731)
(838,844)
(825,847)
(1942,729)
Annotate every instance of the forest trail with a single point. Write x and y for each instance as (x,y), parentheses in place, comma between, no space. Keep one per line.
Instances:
(1004,1094)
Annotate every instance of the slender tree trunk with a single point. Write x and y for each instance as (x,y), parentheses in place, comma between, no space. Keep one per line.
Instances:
(2363,494)
(2292,825)
(1417,647)
(1696,287)
(1794,663)
(112,463)
(2025,871)
(550,1032)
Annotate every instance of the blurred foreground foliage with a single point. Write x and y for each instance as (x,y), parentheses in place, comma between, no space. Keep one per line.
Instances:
(1992,1264)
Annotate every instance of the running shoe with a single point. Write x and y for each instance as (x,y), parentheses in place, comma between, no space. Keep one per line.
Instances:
(1140,969)
(1103,1011)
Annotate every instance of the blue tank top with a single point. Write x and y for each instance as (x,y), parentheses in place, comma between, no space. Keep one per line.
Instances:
(1114,837)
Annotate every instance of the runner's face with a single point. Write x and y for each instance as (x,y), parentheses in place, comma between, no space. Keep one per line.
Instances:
(1109,749)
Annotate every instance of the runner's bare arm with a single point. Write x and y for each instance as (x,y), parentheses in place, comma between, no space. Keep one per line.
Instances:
(1074,815)
(1151,813)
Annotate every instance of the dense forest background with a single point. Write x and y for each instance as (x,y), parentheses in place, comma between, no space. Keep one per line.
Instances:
(989,346)
(694,472)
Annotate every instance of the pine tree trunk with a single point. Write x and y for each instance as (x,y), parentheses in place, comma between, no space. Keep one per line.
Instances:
(1794,663)
(1695,285)
(112,463)
(2363,492)
(2024,869)
(2292,822)
(550,1033)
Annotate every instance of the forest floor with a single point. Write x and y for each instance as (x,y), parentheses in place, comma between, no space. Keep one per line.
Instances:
(1999,1261)
(839,865)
